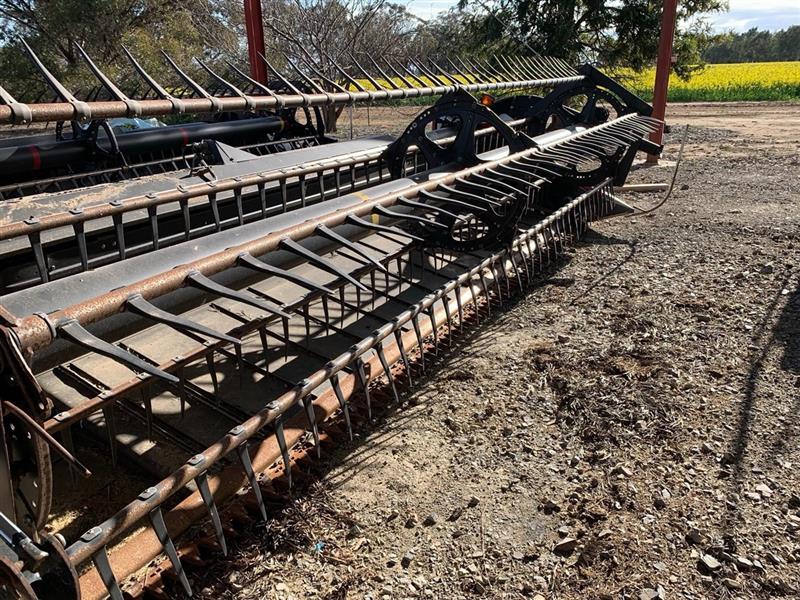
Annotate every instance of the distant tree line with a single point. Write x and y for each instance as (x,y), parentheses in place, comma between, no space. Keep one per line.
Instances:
(755,45)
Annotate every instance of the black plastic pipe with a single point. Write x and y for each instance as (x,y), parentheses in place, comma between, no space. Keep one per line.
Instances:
(18,159)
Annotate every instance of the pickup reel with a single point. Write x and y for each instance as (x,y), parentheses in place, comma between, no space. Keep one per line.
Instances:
(483,210)
(472,215)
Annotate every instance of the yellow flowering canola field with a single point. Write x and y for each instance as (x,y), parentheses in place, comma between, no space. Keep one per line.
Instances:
(729,82)
(714,83)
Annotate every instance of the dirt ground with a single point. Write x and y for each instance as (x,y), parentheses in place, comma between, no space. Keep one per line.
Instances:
(627,429)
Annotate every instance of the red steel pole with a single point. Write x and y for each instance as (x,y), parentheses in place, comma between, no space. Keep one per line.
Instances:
(663,67)
(253,21)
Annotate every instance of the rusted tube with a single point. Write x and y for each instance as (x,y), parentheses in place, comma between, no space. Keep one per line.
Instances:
(63,111)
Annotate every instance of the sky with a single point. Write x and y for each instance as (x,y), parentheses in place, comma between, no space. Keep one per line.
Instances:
(743,14)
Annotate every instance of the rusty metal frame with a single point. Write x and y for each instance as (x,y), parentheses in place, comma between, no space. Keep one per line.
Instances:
(35,331)
(497,77)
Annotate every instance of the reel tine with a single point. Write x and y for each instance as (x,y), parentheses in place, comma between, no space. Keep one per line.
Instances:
(134,108)
(303,75)
(343,405)
(387,369)
(208,499)
(281,437)
(103,566)
(72,330)
(196,87)
(82,109)
(160,528)
(362,380)
(354,220)
(308,405)
(398,336)
(378,87)
(200,281)
(247,466)
(138,305)
(251,262)
(327,233)
(225,83)
(410,217)
(292,246)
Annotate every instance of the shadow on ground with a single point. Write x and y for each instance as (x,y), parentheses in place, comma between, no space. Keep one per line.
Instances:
(773,332)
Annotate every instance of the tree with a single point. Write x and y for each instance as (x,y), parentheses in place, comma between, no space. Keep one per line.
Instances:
(787,43)
(611,35)
(453,34)
(335,35)
(54,28)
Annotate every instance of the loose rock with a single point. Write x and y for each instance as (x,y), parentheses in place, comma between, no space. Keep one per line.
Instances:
(731,584)
(709,564)
(431,519)
(566,546)
(694,536)
(456,514)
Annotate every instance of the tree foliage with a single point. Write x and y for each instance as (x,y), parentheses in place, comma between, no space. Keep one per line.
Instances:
(54,28)
(339,32)
(611,35)
(755,45)
(336,35)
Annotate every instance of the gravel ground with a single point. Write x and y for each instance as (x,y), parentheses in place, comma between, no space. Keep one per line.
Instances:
(628,429)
